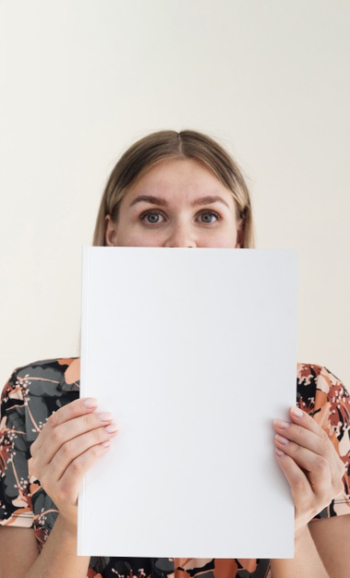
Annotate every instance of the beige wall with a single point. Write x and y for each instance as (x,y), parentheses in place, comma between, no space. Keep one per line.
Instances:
(82,80)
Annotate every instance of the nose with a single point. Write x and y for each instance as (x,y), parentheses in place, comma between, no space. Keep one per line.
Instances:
(180,236)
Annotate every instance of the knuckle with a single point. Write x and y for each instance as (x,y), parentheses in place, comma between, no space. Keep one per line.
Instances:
(324,435)
(67,448)
(57,436)
(294,450)
(77,466)
(300,431)
(53,420)
(322,465)
(95,451)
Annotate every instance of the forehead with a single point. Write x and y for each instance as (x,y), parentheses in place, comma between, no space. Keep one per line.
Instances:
(185,177)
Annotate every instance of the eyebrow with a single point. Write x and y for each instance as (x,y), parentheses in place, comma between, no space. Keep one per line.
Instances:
(208,200)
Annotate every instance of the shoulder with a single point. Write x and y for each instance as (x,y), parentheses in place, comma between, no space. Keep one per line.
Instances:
(320,376)
(34,391)
(317,388)
(324,396)
(45,377)
(50,368)
(39,388)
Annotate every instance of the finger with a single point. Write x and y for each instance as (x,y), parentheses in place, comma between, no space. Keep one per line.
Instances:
(342,467)
(54,439)
(66,413)
(304,457)
(71,481)
(72,410)
(319,444)
(300,417)
(320,475)
(297,479)
(306,432)
(72,449)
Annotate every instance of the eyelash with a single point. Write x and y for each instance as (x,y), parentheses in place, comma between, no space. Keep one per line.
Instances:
(153,212)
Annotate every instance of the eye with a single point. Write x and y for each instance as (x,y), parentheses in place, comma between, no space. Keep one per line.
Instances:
(151,217)
(207,217)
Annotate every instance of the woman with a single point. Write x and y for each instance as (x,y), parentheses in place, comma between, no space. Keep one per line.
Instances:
(168,190)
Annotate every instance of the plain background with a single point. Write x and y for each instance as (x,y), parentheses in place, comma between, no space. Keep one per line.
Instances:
(82,80)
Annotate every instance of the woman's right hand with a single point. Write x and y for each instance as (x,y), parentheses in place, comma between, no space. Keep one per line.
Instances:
(71,441)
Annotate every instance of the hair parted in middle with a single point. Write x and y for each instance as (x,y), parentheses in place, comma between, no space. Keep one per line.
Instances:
(169,144)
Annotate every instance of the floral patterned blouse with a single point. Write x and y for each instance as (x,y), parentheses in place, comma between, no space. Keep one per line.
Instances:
(36,390)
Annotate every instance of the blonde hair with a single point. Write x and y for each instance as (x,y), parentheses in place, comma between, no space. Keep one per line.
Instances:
(169,144)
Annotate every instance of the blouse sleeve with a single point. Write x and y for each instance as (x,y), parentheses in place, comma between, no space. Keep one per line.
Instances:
(325,397)
(15,500)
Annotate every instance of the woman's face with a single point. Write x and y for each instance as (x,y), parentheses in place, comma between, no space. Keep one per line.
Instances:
(176,203)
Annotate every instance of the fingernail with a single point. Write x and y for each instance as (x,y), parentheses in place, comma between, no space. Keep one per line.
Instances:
(90,402)
(105,416)
(281,423)
(279,453)
(106,444)
(281,439)
(112,428)
(296,411)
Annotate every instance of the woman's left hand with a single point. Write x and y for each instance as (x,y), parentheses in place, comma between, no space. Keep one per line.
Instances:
(310,463)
